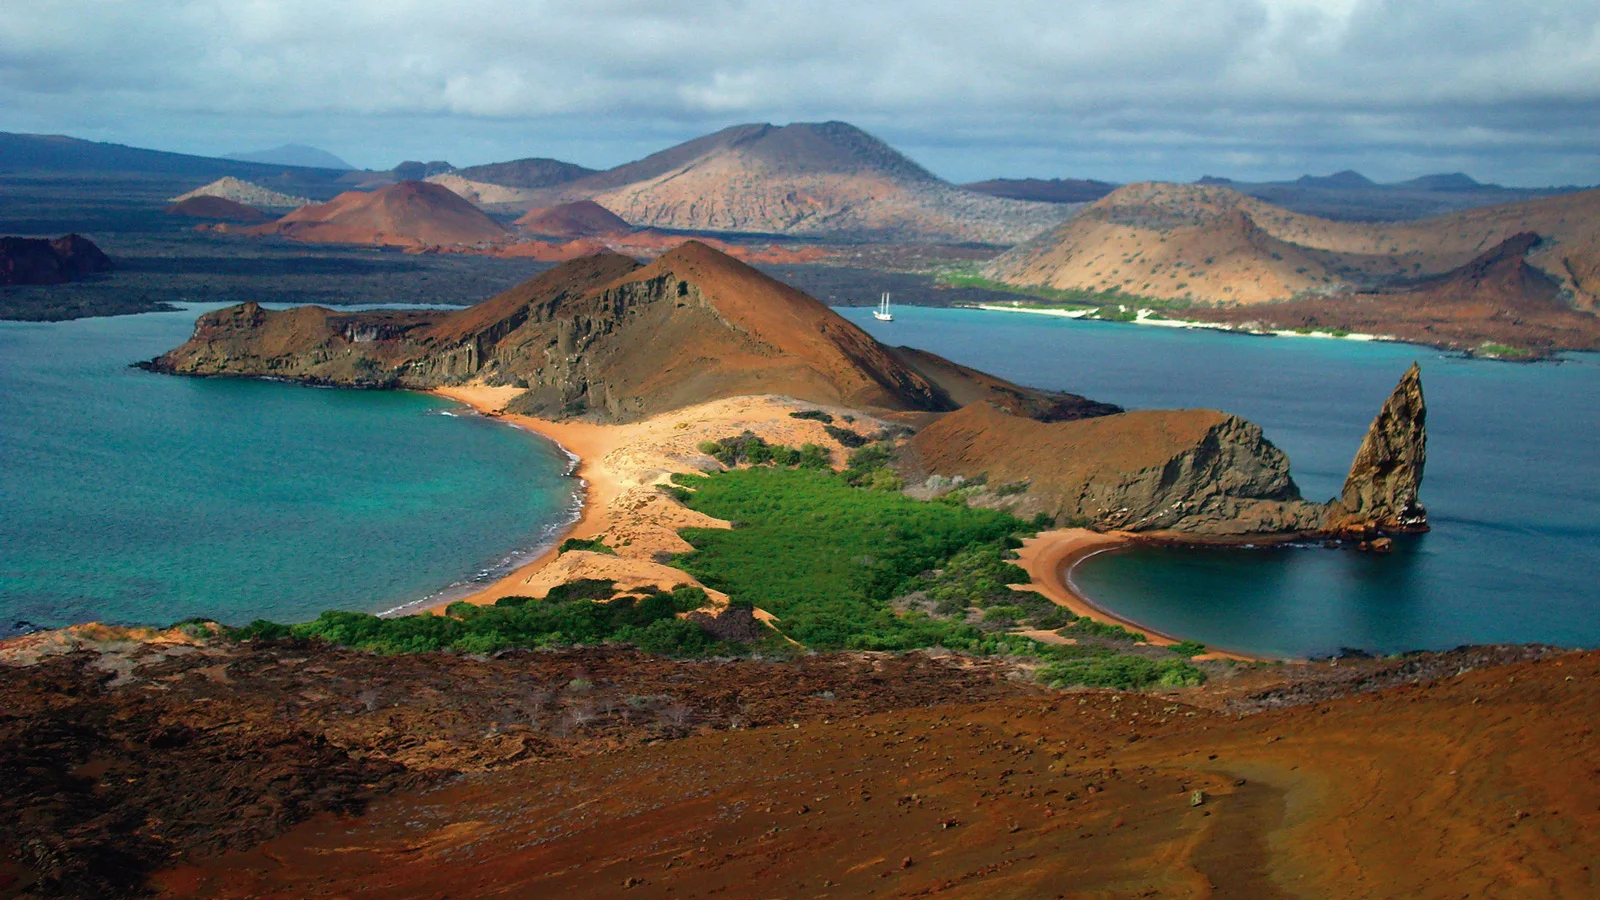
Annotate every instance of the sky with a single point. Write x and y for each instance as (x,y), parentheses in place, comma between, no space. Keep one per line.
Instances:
(1118,90)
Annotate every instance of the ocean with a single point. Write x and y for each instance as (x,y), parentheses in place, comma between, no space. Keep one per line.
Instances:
(136,498)
(1512,484)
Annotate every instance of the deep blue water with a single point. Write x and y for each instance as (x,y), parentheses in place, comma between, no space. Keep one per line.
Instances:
(131,497)
(1512,484)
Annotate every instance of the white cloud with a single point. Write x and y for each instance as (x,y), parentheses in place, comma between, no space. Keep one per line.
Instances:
(1080,76)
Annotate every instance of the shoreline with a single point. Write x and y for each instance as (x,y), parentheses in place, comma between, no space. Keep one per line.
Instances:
(583,444)
(1145,317)
(1049,559)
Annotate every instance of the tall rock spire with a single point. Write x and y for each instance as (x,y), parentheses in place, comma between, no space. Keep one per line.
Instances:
(1380,493)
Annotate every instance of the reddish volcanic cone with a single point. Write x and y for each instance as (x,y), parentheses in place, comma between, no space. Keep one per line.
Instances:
(584,218)
(408,214)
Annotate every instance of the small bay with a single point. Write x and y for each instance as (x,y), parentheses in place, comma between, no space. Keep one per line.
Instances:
(132,497)
(1512,482)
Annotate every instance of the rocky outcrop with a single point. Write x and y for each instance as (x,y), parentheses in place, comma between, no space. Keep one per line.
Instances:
(1380,493)
(43,261)
(1195,471)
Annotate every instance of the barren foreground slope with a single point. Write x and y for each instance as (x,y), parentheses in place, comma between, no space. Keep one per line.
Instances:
(301,770)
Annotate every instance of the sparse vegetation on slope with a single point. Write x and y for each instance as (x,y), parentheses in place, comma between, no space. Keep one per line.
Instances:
(583,613)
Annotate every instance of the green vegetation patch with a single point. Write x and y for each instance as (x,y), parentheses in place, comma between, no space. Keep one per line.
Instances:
(826,558)
(1124,672)
(815,415)
(593,545)
(581,613)
(1502,351)
(749,449)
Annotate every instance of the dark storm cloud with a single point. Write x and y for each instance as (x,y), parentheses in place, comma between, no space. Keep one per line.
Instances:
(1112,89)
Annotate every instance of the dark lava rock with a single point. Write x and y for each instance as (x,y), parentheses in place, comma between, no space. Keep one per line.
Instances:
(41,261)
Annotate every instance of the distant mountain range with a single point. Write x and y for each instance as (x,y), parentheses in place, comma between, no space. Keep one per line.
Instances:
(293,155)
(1347,195)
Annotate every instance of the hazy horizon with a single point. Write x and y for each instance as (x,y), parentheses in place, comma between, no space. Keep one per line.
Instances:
(1253,90)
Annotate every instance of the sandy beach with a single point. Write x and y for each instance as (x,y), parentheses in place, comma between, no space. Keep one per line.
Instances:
(622,467)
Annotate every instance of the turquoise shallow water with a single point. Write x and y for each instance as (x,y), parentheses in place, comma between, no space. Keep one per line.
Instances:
(131,497)
(1512,484)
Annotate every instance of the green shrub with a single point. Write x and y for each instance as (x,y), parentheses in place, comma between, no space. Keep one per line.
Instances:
(593,545)
(1084,625)
(260,630)
(813,414)
(578,613)
(1129,673)
(1187,649)
(845,436)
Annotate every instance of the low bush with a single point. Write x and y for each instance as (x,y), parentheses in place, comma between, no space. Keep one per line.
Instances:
(813,414)
(1187,649)
(1083,625)
(579,613)
(593,545)
(845,436)
(1124,672)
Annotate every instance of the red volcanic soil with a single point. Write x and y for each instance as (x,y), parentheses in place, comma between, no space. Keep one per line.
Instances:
(891,776)
(1497,297)
(208,207)
(413,214)
(584,218)
(43,261)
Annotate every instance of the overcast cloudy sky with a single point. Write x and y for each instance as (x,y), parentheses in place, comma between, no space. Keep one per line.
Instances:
(1253,89)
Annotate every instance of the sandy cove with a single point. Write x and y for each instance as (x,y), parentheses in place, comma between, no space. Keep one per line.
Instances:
(1049,559)
(622,467)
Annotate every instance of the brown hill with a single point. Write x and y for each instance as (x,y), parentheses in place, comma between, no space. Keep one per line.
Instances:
(408,214)
(209,207)
(601,334)
(43,261)
(815,179)
(1178,242)
(1498,298)
(583,218)
(1210,243)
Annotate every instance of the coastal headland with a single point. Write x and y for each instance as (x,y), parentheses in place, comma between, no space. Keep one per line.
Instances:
(638,370)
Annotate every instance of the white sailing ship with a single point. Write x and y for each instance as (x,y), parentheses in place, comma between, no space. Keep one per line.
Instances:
(882,313)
